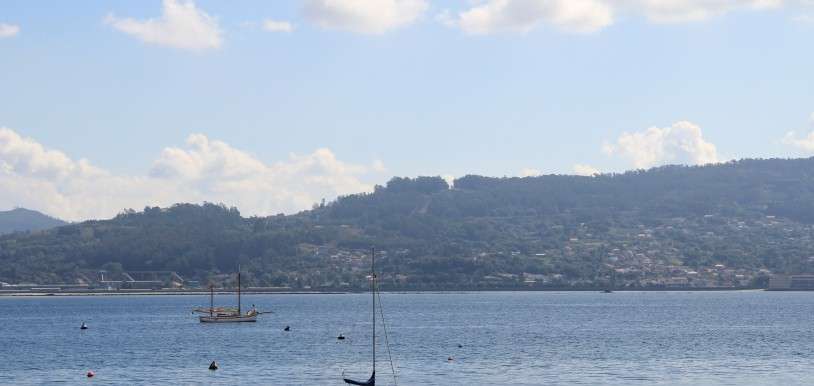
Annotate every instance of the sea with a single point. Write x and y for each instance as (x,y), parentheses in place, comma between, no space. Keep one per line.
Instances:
(466,338)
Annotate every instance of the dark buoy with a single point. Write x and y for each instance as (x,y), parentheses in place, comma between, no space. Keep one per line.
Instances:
(287,328)
(213,366)
(450,359)
(83,326)
(340,337)
(90,374)
(460,345)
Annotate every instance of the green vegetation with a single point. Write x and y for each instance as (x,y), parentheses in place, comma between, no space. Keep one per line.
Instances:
(641,228)
(23,220)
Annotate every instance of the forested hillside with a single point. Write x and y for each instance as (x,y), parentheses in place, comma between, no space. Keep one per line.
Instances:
(719,225)
(22,220)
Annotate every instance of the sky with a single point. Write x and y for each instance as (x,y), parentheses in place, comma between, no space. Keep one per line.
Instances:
(273,106)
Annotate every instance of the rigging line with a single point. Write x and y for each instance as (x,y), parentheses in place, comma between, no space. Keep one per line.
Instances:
(386,339)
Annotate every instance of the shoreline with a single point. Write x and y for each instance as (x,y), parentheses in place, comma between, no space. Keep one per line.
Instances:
(23,293)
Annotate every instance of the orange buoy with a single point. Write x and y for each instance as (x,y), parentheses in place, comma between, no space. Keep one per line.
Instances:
(90,374)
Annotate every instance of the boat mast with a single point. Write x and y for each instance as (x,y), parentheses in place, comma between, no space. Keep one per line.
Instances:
(373,292)
(238,289)
(211,299)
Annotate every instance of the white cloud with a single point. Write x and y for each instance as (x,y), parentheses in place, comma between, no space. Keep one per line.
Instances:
(182,25)
(582,16)
(364,16)
(378,166)
(681,143)
(530,172)
(204,170)
(586,16)
(585,170)
(8,30)
(679,11)
(450,179)
(277,26)
(445,18)
(805,143)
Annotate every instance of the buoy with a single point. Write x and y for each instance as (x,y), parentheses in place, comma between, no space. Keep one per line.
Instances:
(90,374)
(213,366)
(449,359)
(287,328)
(460,346)
(340,337)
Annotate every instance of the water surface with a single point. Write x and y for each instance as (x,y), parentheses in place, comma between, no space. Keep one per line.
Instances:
(519,338)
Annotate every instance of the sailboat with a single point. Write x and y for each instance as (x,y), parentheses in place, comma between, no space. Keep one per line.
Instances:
(226,314)
(374,292)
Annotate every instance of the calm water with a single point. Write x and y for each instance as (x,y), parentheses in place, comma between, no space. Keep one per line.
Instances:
(624,338)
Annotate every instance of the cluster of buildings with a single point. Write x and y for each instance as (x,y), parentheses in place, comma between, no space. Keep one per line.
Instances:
(680,253)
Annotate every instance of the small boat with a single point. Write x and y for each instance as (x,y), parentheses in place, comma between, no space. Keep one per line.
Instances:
(607,291)
(229,318)
(340,337)
(226,314)
(83,326)
(374,291)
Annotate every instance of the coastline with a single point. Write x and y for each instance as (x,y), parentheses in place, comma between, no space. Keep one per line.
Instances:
(198,292)
(155,293)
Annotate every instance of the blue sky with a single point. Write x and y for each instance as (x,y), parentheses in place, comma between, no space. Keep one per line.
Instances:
(385,87)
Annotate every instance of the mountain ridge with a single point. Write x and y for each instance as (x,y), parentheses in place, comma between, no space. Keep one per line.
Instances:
(722,225)
(22,220)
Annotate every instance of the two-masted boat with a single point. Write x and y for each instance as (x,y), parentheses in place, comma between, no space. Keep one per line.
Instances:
(214,314)
(374,290)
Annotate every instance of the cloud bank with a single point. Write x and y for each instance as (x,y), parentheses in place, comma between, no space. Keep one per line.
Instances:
(8,30)
(681,143)
(181,25)
(34,176)
(364,16)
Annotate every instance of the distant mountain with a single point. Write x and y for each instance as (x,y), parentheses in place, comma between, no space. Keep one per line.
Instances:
(716,225)
(20,219)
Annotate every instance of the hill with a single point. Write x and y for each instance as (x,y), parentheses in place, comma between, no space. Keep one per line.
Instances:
(21,220)
(675,226)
